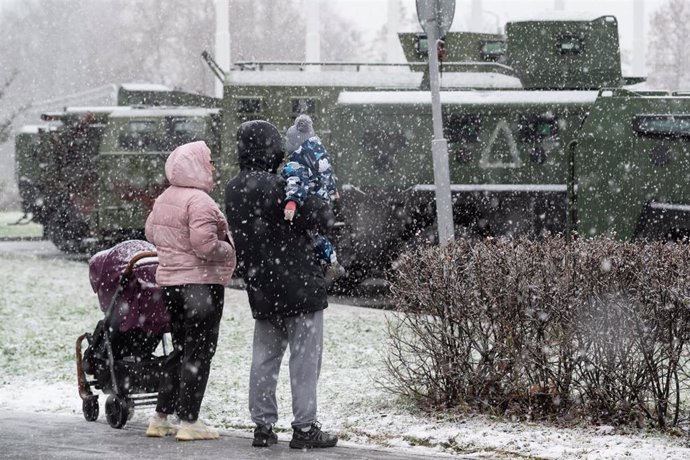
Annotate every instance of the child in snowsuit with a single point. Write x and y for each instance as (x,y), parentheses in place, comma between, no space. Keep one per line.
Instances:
(308,171)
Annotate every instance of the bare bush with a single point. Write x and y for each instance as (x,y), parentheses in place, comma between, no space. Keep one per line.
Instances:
(594,329)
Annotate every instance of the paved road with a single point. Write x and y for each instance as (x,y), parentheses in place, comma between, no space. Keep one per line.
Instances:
(42,436)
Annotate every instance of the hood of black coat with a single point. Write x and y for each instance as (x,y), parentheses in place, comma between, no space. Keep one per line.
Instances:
(259,146)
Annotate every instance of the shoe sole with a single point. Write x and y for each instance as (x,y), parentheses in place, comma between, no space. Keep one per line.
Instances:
(264,442)
(160,433)
(187,436)
(309,445)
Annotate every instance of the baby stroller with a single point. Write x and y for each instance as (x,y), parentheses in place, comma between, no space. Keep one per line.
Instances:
(120,355)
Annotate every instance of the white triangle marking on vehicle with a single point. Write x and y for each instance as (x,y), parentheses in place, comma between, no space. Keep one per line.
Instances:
(491,159)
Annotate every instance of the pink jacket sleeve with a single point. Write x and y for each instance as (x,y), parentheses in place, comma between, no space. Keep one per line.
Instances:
(148,229)
(206,222)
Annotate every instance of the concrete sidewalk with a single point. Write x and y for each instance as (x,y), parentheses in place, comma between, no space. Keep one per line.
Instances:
(53,436)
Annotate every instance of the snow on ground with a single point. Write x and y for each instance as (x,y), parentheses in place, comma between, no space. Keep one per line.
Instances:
(46,304)
(13,225)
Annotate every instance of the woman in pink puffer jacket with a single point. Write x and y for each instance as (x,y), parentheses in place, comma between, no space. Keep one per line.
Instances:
(196,258)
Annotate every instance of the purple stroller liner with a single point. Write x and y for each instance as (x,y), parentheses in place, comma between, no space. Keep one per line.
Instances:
(140,304)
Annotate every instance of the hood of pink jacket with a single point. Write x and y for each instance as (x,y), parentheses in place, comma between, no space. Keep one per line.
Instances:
(189,165)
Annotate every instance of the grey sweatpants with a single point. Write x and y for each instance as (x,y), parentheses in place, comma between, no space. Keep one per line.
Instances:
(304,335)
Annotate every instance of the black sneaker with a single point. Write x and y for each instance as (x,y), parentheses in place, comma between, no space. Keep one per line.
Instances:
(314,438)
(264,436)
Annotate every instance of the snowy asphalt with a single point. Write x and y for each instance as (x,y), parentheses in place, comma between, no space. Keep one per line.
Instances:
(52,436)
(25,435)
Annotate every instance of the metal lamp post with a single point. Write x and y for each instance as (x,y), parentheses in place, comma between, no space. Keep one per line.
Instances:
(435,17)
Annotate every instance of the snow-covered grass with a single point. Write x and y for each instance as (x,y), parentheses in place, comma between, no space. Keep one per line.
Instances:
(8,227)
(46,304)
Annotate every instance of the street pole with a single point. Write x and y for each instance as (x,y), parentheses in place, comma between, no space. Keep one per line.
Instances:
(439,147)
(313,44)
(222,50)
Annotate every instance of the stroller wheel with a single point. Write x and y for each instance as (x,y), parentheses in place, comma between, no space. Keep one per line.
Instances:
(116,411)
(89,407)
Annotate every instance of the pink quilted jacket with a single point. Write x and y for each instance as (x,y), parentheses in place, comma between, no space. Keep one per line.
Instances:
(188,229)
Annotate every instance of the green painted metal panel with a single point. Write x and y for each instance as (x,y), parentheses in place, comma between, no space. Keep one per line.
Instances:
(620,170)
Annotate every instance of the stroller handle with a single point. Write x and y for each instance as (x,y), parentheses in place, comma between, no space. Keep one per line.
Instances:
(137,257)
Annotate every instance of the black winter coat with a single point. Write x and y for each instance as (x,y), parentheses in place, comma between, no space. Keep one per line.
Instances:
(275,257)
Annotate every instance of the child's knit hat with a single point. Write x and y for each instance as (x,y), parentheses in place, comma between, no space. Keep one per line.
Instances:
(296,134)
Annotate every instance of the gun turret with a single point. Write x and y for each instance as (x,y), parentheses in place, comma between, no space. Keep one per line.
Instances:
(560,53)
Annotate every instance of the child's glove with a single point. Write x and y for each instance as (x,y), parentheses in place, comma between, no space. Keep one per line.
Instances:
(334,271)
(289,210)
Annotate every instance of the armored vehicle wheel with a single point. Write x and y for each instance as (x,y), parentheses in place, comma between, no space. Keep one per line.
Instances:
(130,408)
(67,236)
(116,411)
(89,407)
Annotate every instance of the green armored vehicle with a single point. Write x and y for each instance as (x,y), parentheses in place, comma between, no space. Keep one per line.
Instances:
(56,174)
(533,118)
(28,168)
(90,174)
(544,135)
(631,166)
(132,155)
(507,146)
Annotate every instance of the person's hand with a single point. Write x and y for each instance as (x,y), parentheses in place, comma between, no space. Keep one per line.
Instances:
(289,210)
(334,271)
(223,229)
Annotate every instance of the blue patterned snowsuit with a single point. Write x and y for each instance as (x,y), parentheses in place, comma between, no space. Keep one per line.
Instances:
(308,172)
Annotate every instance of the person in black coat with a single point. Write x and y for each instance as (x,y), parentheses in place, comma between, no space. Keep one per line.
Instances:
(285,284)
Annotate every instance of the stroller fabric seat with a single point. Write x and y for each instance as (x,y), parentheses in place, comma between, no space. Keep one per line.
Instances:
(126,352)
(140,304)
